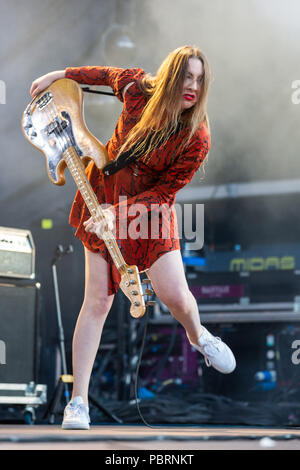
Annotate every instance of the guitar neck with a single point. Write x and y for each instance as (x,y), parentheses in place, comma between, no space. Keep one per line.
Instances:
(77,170)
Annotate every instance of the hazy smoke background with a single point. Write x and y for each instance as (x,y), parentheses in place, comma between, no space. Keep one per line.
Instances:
(253,49)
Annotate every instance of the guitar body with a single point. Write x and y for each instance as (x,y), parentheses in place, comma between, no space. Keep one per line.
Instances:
(61,105)
(54,123)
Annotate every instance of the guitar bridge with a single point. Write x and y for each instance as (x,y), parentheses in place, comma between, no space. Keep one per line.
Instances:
(61,130)
(56,126)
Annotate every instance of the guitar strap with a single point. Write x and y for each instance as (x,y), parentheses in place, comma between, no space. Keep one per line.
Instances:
(116,165)
(129,156)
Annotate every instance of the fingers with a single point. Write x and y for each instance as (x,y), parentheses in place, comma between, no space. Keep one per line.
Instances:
(89,225)
(110,219)
(40,84)
(34,89)
(98,227)
(43,82)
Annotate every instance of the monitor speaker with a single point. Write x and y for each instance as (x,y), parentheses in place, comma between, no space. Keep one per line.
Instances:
(19,338)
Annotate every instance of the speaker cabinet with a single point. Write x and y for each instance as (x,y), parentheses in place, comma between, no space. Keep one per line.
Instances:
(19,337)
(17,253)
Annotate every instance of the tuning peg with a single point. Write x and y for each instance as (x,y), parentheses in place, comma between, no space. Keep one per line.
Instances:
(150,303)
(149,292)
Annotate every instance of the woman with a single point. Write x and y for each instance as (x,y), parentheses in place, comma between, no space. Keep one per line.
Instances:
(160,140)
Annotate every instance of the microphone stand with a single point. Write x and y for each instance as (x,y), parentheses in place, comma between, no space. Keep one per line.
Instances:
(66,378)
(60,252)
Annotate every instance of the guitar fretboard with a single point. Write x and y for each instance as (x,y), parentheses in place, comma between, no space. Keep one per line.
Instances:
(76,168)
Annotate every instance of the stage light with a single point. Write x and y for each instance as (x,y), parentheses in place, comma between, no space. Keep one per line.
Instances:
(118,46)
(47,224)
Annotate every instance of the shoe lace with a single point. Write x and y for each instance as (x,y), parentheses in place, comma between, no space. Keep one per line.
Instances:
(212,346)
(74,410)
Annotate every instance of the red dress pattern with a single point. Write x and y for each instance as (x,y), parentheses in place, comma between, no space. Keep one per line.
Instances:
(142,188)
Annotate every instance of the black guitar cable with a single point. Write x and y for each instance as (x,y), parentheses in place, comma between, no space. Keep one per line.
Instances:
(159,370)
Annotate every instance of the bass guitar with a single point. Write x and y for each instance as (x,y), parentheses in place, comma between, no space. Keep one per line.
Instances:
(54,123)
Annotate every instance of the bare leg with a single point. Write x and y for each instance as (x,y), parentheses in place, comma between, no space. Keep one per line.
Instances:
(170,285)
(88,330)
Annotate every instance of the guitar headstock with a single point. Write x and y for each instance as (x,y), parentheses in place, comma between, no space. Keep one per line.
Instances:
(137,290)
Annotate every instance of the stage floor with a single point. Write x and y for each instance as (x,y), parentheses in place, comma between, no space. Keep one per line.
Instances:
(137,438)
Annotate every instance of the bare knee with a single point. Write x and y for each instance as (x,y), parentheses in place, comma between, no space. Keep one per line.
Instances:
(97,305)
(179,301)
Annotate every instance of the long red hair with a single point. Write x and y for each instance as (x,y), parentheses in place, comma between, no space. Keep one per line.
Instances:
(162,113)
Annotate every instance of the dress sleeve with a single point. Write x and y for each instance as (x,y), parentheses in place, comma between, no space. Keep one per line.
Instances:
(162,195)
(116,78)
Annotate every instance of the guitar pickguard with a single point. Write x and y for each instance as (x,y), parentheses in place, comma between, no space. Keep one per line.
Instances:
(53,138)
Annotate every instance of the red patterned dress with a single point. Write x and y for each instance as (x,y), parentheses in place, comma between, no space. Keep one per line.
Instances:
(143,188)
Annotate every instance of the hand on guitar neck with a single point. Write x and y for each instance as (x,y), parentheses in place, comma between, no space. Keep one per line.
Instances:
(98,227)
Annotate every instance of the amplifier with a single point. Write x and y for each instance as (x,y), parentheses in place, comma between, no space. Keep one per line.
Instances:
(17,253)
(222,287)
(242,297)
(19,331)
(237,286)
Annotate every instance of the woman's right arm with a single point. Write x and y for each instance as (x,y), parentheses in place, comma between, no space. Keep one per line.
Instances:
(44,81)
(116,78)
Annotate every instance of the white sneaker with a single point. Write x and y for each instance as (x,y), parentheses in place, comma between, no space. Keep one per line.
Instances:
(76,415)
(216,352)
